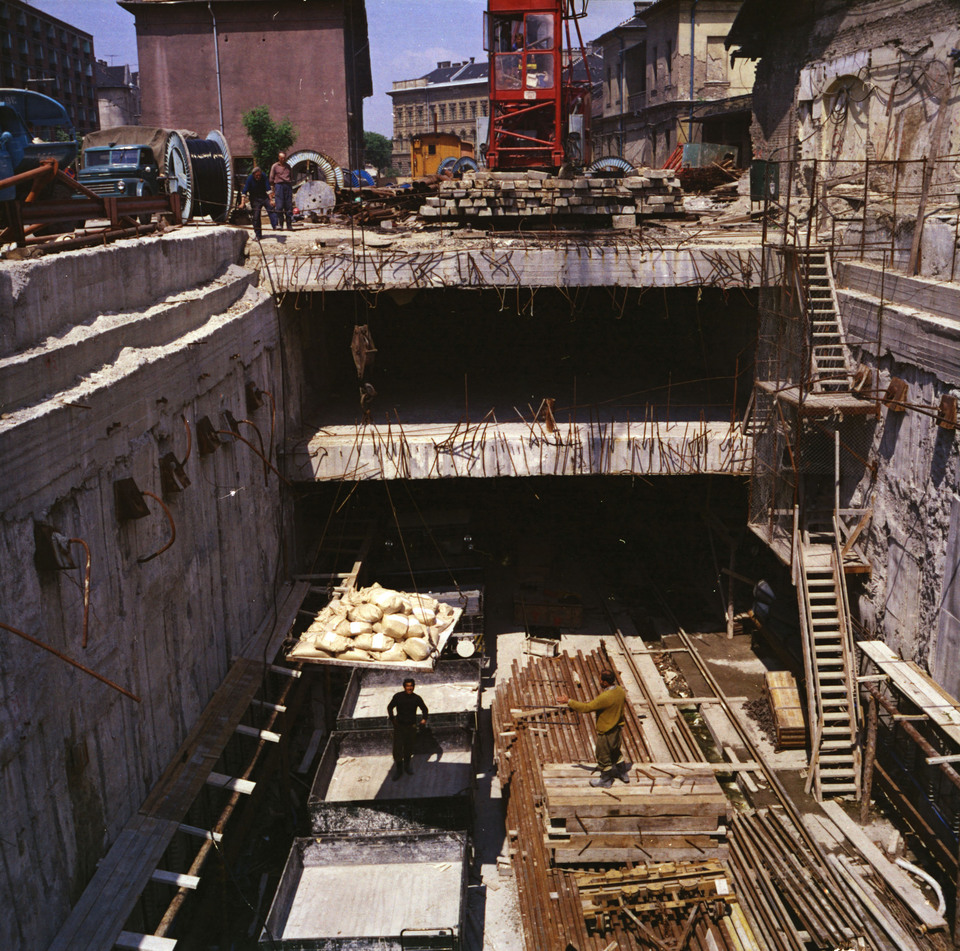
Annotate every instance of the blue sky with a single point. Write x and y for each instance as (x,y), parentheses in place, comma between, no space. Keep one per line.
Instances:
(407,37)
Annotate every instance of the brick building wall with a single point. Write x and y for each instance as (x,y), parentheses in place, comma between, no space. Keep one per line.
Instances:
(306,60)
(47,55)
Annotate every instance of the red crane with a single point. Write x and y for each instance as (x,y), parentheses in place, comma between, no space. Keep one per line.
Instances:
(540,86)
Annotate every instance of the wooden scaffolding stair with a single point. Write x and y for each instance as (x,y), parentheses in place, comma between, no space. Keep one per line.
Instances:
(830,366)
(835,761)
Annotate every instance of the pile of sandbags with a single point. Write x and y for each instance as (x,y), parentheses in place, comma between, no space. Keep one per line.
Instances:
(375,624)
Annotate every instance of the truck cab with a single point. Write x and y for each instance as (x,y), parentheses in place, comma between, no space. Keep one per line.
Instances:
(120,170)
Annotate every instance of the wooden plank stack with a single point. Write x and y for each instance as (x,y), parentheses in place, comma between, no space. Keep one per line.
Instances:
(652,193)
(781,690)
(667,812)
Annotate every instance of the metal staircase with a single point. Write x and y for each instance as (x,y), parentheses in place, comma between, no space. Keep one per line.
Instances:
(830,368)
(835,761)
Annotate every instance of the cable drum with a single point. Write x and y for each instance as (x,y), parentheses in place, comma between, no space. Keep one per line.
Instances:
(201,170)
(212,176)
(310,165)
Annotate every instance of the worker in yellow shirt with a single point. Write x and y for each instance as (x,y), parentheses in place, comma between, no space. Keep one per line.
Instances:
(608,705)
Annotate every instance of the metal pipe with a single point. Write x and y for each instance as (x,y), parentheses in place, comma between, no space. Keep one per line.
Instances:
(173,529)
(216,54)
(69,660)
(693,34)
(930,880)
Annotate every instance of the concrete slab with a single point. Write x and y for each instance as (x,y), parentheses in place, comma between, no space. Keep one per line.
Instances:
(424,451)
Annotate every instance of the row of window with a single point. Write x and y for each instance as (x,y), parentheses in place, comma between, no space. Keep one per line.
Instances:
(443,111)
(41,53)
(403,142)
(51,33)
(57,87)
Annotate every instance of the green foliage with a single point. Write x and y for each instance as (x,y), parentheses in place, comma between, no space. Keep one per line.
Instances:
(377,149)
(268,137)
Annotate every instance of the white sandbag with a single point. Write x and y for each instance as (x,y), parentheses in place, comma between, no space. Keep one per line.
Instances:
(333,642)
(425,616)
(414,627)
(373,642)
(388,601)
(338,608)
(444,610)
(367,613)
(395,626)
(360,627)
(342,627)
(416,648)
(354,654)
(396,654)
(382,642)
(308,649)
(433,635)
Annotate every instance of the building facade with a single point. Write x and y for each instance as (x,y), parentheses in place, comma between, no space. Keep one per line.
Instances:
(617,128)
(203,65)
(47,55)
(691,92)
(118,95)
(449,98)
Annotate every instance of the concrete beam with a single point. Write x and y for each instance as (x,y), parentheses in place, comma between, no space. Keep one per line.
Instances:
(517,261)
(488,448)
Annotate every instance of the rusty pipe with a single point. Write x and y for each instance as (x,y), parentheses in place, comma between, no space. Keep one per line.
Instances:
(69,660)
(86,588)
(186,425)
(173,529)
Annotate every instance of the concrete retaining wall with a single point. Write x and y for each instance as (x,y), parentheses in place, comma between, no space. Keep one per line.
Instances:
(916,483)
(76,757)
(46,297)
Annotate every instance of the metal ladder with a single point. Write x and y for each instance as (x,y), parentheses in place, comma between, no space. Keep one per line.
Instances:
(830,367)
(835,760)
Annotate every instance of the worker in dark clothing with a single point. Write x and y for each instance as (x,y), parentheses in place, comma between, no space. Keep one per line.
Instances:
(402,711)
(257,192)
(608,705)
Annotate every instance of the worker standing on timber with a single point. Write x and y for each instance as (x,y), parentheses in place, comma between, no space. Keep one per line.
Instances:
(402,711)
(608,705)
(281,180)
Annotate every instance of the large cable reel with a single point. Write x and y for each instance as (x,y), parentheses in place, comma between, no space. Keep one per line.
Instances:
(179,171)
(308,164)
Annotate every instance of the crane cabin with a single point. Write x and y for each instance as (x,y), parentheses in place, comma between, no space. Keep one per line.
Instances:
(539,106)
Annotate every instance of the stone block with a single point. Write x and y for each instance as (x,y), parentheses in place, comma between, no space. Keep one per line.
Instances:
(623,222)
(428,211)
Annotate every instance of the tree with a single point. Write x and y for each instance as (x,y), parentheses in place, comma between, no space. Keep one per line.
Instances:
(377,149)
(268,137)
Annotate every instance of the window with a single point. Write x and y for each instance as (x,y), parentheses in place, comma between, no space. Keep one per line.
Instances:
(669,61)
(483,107)
(473,110)
(86,46)
(443,112)
(716,60)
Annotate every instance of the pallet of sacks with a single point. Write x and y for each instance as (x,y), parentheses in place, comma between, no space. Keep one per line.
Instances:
(667,812)
(377,626)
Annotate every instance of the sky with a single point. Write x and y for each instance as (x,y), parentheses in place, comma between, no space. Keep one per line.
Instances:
(407,37)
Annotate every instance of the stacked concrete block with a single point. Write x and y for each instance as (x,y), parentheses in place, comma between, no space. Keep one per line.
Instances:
(652,192)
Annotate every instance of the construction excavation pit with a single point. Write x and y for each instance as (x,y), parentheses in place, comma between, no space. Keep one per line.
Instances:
(249,488)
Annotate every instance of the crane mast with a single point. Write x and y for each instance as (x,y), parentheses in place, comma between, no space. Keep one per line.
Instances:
(540,84)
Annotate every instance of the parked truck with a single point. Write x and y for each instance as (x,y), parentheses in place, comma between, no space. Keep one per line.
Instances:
(142,161)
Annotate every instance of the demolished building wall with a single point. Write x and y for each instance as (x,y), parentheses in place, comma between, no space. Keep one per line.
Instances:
(856,102)
(119,352)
